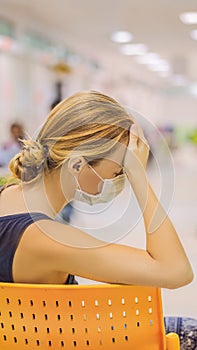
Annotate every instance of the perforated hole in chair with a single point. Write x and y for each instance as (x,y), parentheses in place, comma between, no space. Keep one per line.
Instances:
(96,303)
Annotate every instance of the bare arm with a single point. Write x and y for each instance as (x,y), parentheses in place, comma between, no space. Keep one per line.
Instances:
(51,246)
(162,242)
(61,248)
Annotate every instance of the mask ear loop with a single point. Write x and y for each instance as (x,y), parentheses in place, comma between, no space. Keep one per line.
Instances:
(77,182)
(123,173)
(100,177)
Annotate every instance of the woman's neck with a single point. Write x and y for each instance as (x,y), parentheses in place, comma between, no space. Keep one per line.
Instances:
(47,194)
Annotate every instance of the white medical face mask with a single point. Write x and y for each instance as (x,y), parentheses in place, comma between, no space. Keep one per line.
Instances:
(110,189)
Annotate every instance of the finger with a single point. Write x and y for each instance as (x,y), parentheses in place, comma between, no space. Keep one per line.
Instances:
(137,137)
(141,135)
(133,140)
(140,132)
(143,145)
(145,142)
(134,130)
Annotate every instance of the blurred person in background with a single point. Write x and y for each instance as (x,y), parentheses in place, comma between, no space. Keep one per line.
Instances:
(58,95)
(13,145)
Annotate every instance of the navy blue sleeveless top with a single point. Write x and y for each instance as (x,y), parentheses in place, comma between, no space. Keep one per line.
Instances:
(12,228)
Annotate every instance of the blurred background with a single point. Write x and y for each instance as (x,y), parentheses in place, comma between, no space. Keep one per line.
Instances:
(142,53)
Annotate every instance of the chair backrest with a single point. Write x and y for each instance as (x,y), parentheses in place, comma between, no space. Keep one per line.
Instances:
(75,317)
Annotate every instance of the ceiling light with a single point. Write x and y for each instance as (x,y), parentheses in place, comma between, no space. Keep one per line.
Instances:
(194,34)
(133,49)
(160,66)
(189,17)
(149,58)
(121,37)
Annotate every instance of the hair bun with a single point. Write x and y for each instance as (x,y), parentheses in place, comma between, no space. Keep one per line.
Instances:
(30,162)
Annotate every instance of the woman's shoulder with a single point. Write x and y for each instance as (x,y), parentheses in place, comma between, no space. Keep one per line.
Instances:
(53,239)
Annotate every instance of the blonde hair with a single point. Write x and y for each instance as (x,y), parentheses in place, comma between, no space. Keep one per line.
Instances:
(87,123)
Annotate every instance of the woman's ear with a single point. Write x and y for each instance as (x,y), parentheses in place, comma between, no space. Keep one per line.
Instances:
(75,164)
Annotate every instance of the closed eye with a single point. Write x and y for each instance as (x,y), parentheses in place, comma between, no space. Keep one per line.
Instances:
(120,172)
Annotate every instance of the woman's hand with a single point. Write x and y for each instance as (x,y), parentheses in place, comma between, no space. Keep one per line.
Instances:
(137,151)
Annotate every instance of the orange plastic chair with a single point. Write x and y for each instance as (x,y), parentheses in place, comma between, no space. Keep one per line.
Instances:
(96,317)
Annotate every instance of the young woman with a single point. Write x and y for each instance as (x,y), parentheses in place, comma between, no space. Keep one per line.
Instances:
(85,149)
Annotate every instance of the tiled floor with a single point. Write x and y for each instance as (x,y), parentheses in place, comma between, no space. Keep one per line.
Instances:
(182,205)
